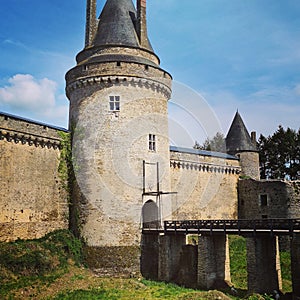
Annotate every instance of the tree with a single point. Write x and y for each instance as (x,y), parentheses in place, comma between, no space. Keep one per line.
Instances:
(280,154)
(217,143)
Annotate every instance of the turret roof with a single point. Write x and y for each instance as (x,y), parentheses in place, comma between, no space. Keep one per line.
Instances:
(238,138)
(117,25)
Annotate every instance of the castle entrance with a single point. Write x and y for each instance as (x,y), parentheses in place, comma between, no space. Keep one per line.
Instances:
(150,215)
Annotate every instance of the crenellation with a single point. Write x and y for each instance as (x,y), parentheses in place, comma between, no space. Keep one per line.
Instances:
(126,81)
(32,139)
(204,167)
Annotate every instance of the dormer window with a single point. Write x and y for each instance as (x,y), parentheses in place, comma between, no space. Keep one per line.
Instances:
(114,103)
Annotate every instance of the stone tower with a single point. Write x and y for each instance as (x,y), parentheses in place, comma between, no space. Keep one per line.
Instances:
(240,144)
(118,117)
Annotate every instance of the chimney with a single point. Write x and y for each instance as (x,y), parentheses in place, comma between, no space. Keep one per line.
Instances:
(253,138)
(91,22)
(142,23)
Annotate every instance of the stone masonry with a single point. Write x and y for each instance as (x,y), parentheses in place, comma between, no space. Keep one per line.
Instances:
(33,201)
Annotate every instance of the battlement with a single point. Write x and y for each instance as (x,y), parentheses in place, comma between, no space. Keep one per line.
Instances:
(204,161)
(121,72)
(25,131)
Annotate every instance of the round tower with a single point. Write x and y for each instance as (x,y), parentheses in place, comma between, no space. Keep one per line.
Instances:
(240,144)
(118,117)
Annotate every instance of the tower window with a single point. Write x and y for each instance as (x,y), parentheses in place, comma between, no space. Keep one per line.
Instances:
(263,199)
(152,142)
(114,103)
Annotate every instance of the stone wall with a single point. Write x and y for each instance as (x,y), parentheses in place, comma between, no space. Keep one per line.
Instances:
(213,262)
(206,185)
(32,199)
(269,199)
(263,264)
(250,164)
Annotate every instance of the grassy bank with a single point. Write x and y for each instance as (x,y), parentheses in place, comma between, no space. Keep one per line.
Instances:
(50,268)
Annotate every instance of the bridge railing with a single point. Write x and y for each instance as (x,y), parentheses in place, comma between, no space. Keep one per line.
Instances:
(241,225)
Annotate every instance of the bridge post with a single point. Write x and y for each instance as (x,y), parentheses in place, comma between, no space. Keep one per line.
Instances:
(170,249)
(295,265)
(263,264)
(149,256)
(213,262)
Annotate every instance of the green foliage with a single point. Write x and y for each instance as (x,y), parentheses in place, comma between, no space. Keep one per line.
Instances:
(217,143)
(63,244)
(280,154)
(65,164)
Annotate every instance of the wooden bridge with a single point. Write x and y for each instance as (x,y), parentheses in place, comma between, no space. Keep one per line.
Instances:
(239,227)
(205,265)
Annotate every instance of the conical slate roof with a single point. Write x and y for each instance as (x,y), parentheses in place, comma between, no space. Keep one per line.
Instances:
(117,25)
(238,138)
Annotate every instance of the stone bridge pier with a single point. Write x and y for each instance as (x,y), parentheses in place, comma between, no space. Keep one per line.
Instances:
(213,262)
(295,265)
(207,265)
(263,264)
(168,258)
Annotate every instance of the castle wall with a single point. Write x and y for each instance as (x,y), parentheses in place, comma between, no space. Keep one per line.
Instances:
(32,199)
(206,186)
(269,199)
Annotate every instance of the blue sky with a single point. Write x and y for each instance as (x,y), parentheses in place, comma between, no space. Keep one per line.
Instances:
(238,54)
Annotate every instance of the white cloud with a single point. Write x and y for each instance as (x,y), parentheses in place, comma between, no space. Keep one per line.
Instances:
(28,93)
(36,98)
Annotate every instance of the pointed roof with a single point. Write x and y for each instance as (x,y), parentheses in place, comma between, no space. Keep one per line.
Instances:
(117,25)
(238,138)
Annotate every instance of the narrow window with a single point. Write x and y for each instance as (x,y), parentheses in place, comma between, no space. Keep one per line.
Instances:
(263,200)
(152,144)
(114,103)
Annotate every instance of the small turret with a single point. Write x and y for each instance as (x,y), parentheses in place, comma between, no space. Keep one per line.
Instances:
(240,144)
(142,24)
(91,22)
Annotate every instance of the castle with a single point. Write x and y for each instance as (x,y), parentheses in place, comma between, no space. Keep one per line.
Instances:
(126,175)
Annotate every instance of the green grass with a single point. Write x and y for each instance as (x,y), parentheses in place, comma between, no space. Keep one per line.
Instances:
(24,263)
(139,290)
(238,261)
(285,261)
